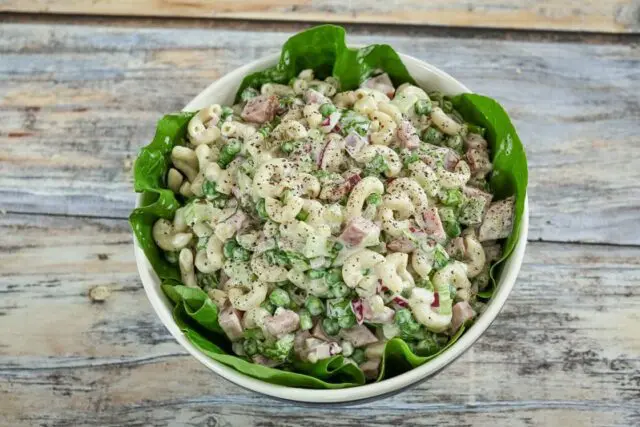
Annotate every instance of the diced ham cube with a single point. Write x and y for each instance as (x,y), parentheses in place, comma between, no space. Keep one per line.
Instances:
(476,204)
(260,109)
(401,244)
(353,143)
(476,192)
(371,368)
(433,225)
(318,332)
(230,322)
(358,336)
(498,221)
(384,316)
(456,249)
(479,162)
(407,135)
(318,350)
(237,220)
(462,312)
(359,229)
(381,83)
(476,142)
(282,323)
(261,360)
(451,159)
(312,96)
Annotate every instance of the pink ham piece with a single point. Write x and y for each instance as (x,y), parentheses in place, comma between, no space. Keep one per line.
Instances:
(475,142)
(371,368)
(433,225)
(237,220)
(479,162)
(381,83)
(462,312)
(282,323)
(358,336)
(473,192)
(357,230)
(318,350)
(498,221)
(318,332)
(230,322)
(260,109)
(451,159)
(408,136)
(385,316)
(312,96)
(354,143)
(401,244)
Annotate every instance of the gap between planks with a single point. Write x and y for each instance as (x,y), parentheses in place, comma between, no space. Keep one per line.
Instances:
(357,28)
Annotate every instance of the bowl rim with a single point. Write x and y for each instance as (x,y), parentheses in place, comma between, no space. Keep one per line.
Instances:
(161,304)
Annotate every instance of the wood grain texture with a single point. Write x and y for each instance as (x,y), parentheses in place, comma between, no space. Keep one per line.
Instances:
(614,16)
(564,351)
(77,103)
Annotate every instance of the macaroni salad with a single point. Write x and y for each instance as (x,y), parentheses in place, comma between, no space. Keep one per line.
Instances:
(323,222)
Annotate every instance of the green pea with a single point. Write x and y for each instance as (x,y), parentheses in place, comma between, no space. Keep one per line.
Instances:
(253,334)
(327,109)
(333,276)
(306,322)
(269,306)
(374,199)
(302,215)
(452,228)
(432,136)
(330,326)
(314,305)
(422,107)
(228,152)
(347,321)
(358,356)
(425,283)
(339,289)
(440,257)
(250,347)
(455,142)
(316,274)
(209,189)
(279,297)
(412,158)
(241,254)
(452,198)
(228,248)
(426,347)
(262,210)
(287,147)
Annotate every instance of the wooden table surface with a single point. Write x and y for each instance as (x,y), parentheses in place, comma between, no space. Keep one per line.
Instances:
(82,84)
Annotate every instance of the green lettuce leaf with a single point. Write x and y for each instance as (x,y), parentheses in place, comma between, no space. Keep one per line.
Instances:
(510,172)
(324,50)
(149,174)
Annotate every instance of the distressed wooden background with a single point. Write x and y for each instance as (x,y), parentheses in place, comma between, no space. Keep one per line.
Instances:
(79,95)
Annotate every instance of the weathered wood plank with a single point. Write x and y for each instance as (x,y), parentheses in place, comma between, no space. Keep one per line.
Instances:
(564,350)
(564,15)
(77,102)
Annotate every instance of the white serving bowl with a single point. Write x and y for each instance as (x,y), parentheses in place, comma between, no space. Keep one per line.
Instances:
(223,92)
